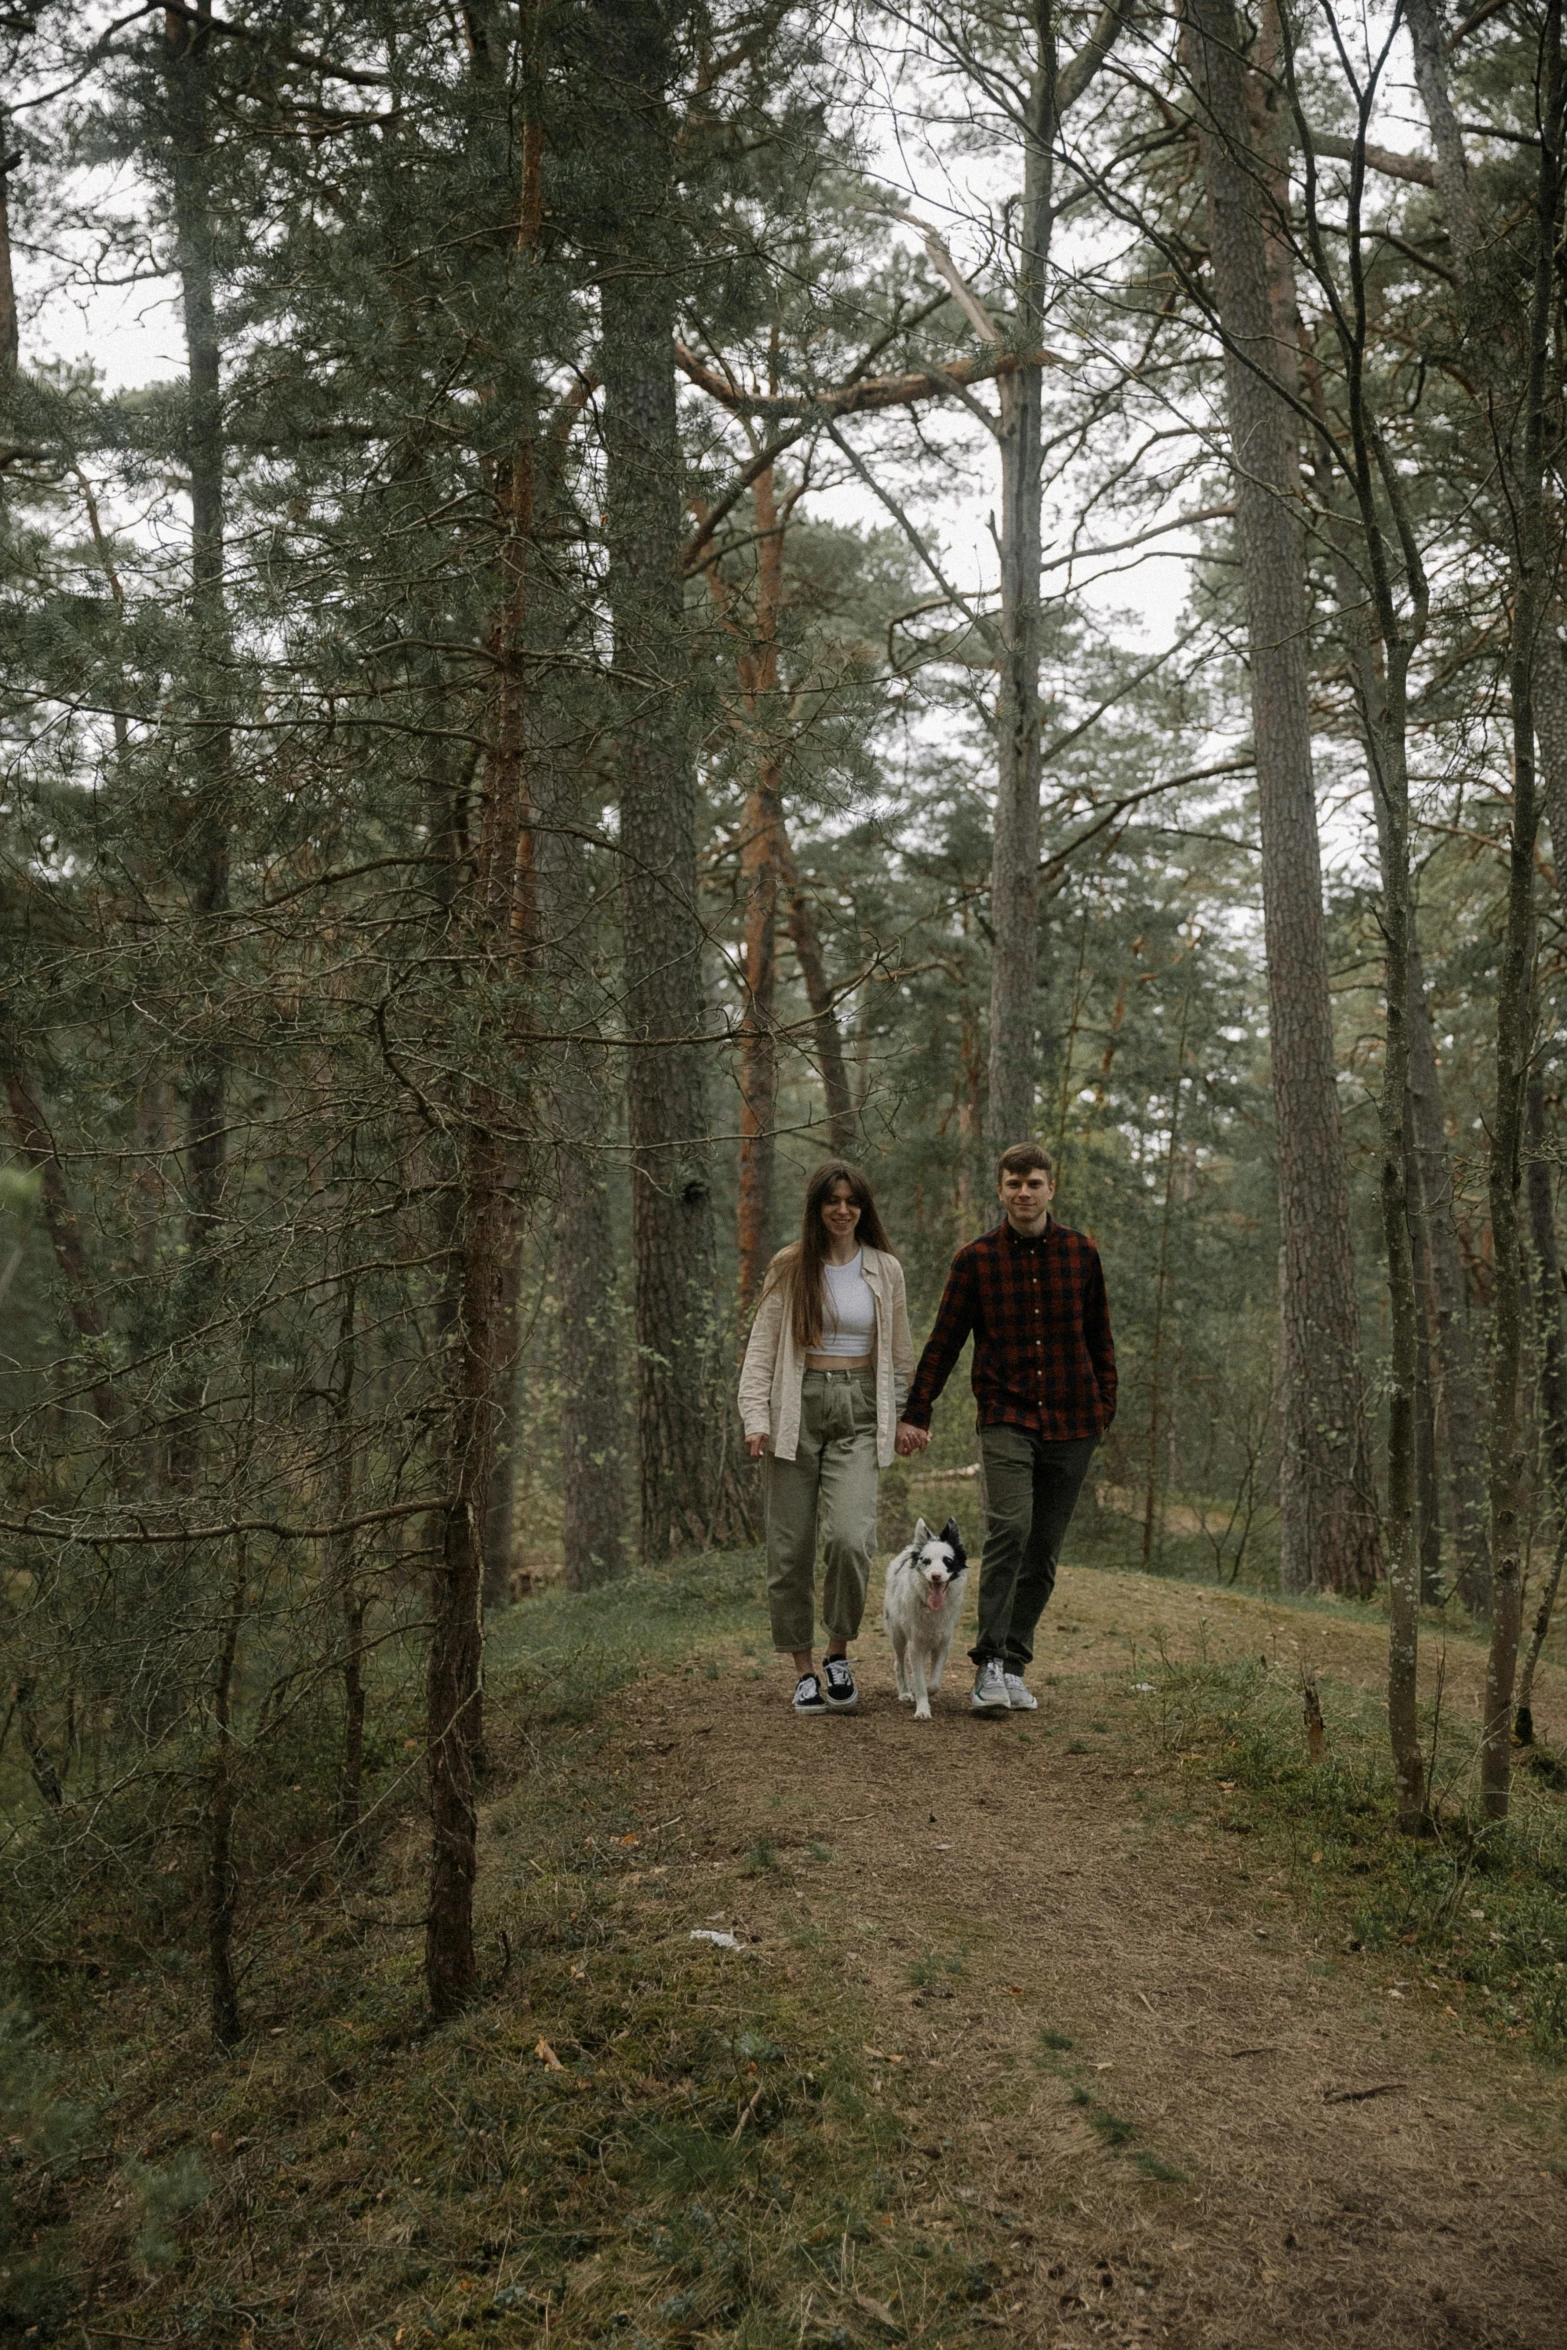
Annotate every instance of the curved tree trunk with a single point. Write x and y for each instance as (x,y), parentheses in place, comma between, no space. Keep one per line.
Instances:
(1328,1504)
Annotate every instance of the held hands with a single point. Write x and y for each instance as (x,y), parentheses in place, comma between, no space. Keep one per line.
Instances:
(910,1439)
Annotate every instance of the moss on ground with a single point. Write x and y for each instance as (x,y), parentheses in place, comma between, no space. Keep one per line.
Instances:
(1475,1913)
(633,2136)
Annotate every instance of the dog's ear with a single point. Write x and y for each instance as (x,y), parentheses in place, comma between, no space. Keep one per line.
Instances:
(949,1533)
(920,1536)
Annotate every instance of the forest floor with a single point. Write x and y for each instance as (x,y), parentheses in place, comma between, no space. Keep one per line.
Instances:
(1117,2023)
(1200,2114)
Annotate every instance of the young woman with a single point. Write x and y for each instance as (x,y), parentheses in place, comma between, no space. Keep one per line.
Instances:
(826,1371)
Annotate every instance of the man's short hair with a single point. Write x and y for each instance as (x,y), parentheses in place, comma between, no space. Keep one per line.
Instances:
(1021,1158)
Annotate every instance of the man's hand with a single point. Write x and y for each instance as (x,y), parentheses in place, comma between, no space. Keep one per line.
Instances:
(910,1439)
(755,1446)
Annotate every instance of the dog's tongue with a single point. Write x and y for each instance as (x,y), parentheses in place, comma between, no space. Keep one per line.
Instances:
(935,1600)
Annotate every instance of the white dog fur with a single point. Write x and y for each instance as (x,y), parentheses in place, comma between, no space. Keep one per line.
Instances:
(921,1606)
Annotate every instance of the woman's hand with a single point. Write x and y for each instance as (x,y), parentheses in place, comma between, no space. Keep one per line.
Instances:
(910,1439)
(756,1446)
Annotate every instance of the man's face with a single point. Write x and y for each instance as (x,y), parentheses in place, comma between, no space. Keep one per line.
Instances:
(1027,1198)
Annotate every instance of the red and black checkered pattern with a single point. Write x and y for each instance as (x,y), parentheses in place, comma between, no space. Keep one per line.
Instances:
(1043,1355)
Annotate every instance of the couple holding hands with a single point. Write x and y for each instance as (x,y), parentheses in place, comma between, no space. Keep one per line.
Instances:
(827,1400)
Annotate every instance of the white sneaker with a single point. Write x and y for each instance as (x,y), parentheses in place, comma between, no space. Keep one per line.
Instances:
(1019,1696)
(990,1689)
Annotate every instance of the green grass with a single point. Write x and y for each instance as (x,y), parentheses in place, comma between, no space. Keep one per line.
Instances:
(1115,2133)
(932,1971)
(1475,1914)
(630,2136)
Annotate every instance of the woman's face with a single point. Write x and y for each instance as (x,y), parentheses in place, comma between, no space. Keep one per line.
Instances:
(840,1211)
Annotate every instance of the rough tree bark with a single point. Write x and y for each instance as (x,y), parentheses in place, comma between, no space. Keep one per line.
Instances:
(484,1238)
(671,1182)
(1533,569)
(592,1352)
(761,835)
(1428,1507)
(222,1873)
(1551,1342)
(1328,1507)
(1550,725)
(1453,1396)
(1012,1071)
(10,338)
(1459,1393)
(500,1493)
(203,849)
(1399,606)
(843,1123)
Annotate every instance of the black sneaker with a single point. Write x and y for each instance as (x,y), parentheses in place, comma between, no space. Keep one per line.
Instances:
(842,1695)
(808,1698)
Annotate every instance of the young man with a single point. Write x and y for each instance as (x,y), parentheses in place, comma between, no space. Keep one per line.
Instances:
(1033,1294)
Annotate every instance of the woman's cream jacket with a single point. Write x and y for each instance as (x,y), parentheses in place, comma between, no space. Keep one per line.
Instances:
(775,1367)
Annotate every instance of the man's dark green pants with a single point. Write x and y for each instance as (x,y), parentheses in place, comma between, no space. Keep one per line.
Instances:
(1031,1490)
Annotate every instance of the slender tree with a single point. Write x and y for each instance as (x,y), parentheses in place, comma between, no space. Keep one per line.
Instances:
(1327,1500)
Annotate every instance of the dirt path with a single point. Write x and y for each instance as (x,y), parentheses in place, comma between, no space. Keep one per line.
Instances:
(1243,2139)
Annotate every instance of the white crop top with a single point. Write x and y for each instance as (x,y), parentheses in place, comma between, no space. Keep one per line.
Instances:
(849,1323)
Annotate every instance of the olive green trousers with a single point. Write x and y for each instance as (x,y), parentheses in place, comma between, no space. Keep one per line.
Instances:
(827,1492)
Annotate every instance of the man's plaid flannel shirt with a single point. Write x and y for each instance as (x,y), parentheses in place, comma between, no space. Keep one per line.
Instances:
(1043,1355)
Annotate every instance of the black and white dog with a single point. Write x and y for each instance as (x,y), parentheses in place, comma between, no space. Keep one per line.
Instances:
(921,1607)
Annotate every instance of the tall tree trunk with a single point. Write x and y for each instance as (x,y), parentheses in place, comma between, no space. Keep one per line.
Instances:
(1428,1489)
(347,1593)
(1459,1391)
(1161,1285)
(1534,566)
(763,829)
(759,1041)
(1012,1074)
(10,338)
(205,814)
(1328,1507)
(499,923)
(842,1117)
(1454,1394)
(1551,1330)
(500,1496)
(1550,721)
(593,1408)
(222,1873)
(1550,1325)
(592,1352)
(671,1183)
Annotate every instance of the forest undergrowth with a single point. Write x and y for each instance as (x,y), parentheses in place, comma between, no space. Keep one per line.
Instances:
(636,2135)
(1478,1909)
(633,2135)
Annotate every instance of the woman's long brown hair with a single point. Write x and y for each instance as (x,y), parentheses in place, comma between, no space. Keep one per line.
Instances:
(802,1265)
